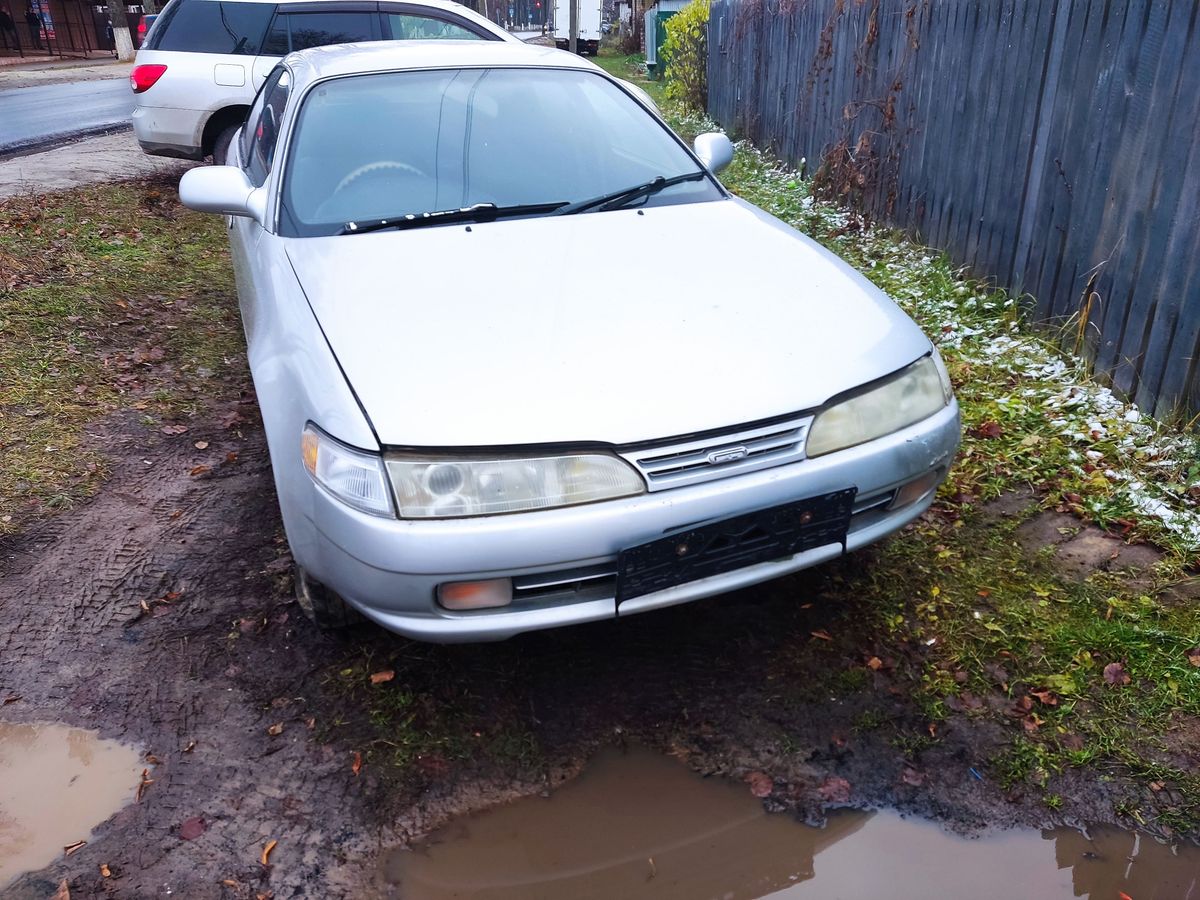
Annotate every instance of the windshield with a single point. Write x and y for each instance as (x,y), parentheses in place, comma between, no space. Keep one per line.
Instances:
(404,143)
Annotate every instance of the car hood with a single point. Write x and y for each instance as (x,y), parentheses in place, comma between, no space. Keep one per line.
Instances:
(614,327)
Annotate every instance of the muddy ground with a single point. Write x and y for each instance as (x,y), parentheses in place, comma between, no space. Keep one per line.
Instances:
(160,613)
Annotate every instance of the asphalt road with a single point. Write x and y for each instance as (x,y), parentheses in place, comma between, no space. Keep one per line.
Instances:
(40,115)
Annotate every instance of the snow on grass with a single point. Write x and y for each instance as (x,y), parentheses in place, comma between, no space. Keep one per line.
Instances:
(1031,413)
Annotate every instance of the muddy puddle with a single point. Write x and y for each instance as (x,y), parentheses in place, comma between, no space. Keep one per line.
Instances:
(639,825)
(56,785)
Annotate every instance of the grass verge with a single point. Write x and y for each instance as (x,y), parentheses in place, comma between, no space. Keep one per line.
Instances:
(1100,674)
(111,298)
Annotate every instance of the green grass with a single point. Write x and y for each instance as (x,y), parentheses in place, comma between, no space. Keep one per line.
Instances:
(111,298)
(632,69)
(426,719)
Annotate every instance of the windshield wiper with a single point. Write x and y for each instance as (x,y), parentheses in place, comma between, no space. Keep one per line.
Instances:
(617,199)
(480,212)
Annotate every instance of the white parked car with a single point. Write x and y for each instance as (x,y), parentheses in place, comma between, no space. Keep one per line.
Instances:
(464,450)
(202,61)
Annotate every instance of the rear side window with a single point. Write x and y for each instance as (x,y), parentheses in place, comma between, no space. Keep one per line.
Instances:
(407,27)
(211,26)
(301,30)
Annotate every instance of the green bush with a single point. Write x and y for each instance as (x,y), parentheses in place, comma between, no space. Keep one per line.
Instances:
(686,55)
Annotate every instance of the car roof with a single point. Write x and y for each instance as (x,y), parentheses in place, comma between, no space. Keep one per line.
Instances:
(317,63)
(440,4)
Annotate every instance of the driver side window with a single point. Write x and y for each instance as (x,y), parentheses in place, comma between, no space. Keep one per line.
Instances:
(260,135)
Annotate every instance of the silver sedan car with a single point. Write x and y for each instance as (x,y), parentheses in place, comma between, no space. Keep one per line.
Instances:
(477,430)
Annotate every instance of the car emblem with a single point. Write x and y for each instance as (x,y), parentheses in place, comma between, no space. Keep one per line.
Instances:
(726,455)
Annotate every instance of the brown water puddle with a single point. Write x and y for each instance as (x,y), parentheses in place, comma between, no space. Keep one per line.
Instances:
(56,784)
(639,825)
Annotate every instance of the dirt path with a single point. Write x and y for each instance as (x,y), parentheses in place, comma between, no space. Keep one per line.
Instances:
(93,160)
(33,73)
(223,655)
(77,646)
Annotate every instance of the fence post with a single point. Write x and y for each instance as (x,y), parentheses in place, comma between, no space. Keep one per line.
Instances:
(1032,196)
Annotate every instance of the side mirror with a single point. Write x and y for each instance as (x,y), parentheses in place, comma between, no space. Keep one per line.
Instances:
(222,189)
(714,150)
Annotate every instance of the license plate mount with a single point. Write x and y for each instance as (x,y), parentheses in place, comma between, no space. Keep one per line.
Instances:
(730,544)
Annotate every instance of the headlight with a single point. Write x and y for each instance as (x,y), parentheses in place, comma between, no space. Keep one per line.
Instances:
(910,396)
(353,476)
(440,488)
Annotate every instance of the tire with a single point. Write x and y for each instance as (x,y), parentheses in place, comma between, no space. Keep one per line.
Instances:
(220,151)
(321,606)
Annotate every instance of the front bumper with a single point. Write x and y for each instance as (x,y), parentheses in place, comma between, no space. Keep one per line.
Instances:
(389,569)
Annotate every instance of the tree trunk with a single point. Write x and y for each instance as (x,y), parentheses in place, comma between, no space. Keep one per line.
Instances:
(120,27)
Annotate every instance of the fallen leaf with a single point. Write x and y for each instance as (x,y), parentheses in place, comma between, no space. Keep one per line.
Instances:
(1046,697)
(760,783)
(821,634)
(198,470)
(191,745)
(970,701)
(381,677)
(265,859)
(105,871)
(834,790)
(192,828)
(356,766)
(874,663)
(1157,786)
(142,785)
(231,457)
(989,430)
(201,445)
(912,777)
(275,730)
(310,723)
(1114,674)
(1193,656)
(174,429)
(63,892)
(1123,896)
(11,698)
(1031,723)
(231,882)
(71,848)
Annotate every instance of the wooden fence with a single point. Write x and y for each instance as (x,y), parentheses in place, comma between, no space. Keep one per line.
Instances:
(1052,145)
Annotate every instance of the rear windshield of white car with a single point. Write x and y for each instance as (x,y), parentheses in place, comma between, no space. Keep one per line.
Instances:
(386,145)
(211,26)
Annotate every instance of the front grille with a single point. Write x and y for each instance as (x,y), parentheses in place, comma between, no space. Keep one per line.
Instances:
(720,456)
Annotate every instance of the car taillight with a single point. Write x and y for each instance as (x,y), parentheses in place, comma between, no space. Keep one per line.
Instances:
(142,27)
(142,78)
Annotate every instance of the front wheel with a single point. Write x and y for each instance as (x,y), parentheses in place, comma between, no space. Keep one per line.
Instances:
(323,607)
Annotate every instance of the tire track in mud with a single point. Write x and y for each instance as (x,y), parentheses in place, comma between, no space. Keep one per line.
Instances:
(182,681)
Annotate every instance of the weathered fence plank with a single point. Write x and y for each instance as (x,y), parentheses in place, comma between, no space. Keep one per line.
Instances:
(1052,145)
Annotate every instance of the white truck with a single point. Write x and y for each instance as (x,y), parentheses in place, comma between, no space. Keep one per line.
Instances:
(589,25)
